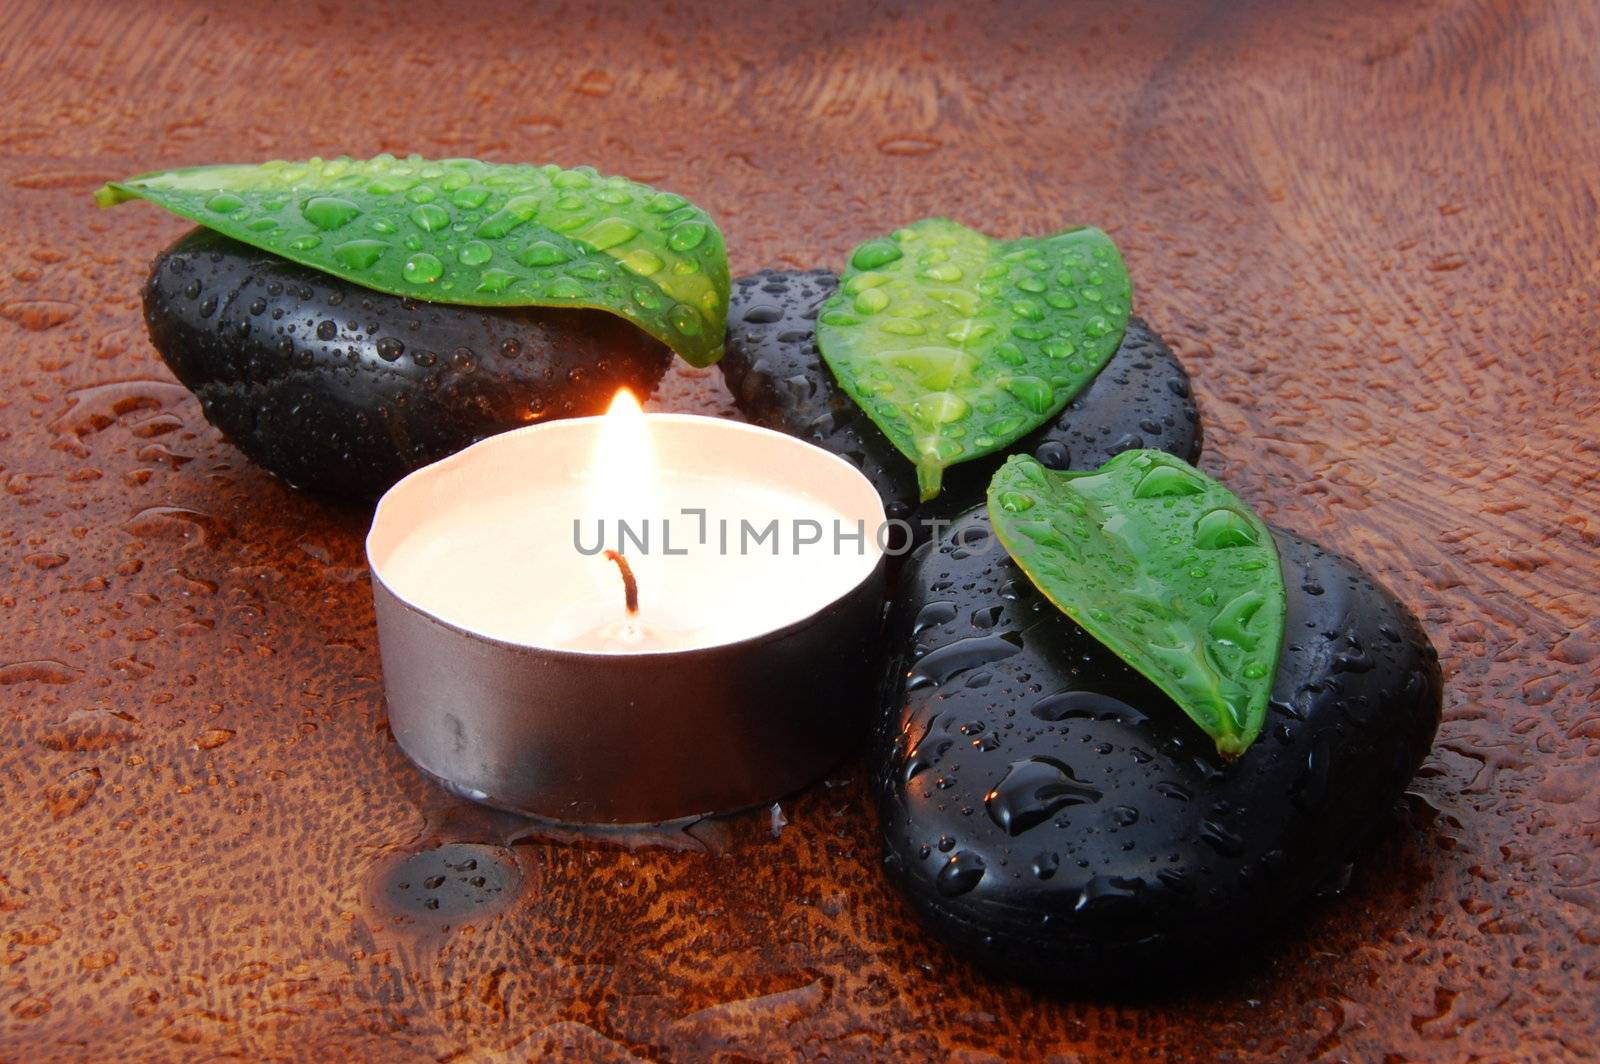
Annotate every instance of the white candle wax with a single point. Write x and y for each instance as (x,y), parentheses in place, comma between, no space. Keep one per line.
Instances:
(486,539)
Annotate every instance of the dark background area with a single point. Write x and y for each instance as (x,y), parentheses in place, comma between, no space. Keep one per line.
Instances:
(1369,229)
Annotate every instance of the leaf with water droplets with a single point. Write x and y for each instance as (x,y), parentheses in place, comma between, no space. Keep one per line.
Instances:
(957,345)
(1166,567)
(470,232)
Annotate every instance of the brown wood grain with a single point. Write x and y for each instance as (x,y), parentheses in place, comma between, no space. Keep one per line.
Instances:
(1369,229)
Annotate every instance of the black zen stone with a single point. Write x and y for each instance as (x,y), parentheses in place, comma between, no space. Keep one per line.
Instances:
(340,389)
(779,380)
(1055,817)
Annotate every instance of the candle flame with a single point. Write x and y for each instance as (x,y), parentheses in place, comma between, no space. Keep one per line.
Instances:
(623,463)
(622,481)
(624,404)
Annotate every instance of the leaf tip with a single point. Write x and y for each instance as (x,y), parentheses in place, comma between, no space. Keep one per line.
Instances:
(707,359)
(1231,746)
(109,195)
(930,480)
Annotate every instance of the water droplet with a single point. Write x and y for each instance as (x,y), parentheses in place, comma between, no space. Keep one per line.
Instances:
(960,874)
(641,261)
(939,408)
(474,253)
(1222,528)
(422,268)
(501,222)
(1221,839)
(1165,480)
(450,883)
(908,145)
(591,271)
(543,253)
(72,792)
(359,254)
(875,254)
(685,319)
(664,203)
(932,615)
(686,236)
(86,730)
(1053,454)
(1232,622)
(329,212)
(224,203)
(871,301)
(1015,501)
(429,217)
(1033,791)
(212,738)
(495,280)
(948,661)
(903,327)
(608,233)
(571,179)
(1035,394)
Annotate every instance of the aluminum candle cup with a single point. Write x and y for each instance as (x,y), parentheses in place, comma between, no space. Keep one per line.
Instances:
(516,673)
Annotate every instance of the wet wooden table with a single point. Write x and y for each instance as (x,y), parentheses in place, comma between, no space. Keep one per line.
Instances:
(1370,231)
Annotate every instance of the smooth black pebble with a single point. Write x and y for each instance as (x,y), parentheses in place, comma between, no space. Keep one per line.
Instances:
(1141,398)
(340,389)
(1056,817)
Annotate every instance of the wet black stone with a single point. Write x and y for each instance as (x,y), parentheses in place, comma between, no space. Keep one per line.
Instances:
(343,390)
(779,380)
(1102,840)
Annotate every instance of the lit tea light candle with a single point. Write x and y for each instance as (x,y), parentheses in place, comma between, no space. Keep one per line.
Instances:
(692,598)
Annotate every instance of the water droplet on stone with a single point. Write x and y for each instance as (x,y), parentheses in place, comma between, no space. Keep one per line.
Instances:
(960,874)
(1032,791)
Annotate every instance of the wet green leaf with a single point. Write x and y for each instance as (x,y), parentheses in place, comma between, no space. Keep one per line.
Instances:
(1166,567)
(464,231)
(957,344)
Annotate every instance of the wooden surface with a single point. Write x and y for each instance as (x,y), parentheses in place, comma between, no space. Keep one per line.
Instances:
(1368,228)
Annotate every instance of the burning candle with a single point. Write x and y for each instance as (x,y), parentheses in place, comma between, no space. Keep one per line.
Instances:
(691,597)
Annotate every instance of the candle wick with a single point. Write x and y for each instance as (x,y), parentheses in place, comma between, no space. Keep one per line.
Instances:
(630,586)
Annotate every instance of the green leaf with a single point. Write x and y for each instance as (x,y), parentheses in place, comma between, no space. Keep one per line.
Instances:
(1166,567)
(464,231)
(957,344)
